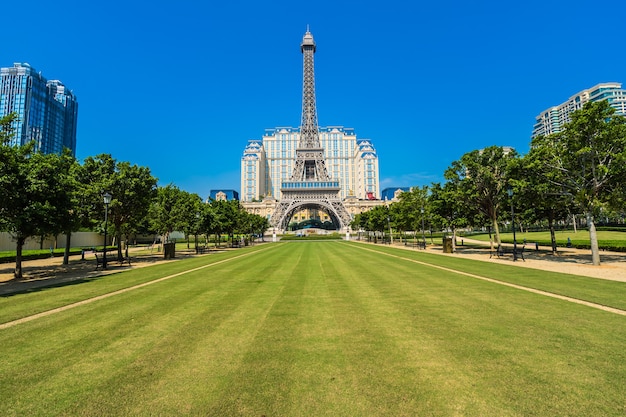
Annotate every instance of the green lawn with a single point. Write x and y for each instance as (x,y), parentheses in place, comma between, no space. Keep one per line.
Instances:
(606,239)
(316,329)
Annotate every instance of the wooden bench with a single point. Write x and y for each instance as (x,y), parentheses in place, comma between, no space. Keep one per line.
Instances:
(419,244)
(516,252)
(201,249)
(99,261)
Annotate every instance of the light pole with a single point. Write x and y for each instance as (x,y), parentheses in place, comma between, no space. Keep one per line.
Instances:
(107,200)
(423,230)
(390,233)
(510,193)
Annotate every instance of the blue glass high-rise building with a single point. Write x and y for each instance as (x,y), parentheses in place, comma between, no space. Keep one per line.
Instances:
(47,111)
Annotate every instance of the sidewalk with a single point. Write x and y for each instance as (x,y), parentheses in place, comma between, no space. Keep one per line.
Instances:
(567,260)
(50,272)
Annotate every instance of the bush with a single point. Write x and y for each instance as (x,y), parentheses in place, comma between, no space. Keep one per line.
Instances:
(29,255)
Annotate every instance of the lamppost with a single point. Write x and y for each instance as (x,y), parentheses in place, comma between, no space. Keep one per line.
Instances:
(390,233)
(423,230)
(107,200)
(510,193)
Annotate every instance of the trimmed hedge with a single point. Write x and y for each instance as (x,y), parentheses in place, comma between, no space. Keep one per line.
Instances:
(29,255)
(334,236)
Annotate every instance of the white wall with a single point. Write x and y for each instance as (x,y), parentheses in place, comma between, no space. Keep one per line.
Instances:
(78,239)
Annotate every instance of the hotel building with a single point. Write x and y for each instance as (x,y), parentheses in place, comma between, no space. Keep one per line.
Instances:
(268,162)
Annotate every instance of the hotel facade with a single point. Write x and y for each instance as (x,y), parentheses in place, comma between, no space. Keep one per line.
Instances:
(268,162)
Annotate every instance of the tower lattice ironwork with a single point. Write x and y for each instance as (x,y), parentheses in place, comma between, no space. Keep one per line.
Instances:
(309,184)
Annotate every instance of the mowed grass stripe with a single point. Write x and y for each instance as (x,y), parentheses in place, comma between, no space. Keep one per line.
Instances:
(490,334)
(606,293)
(317,328)
(132,280)
(148,334)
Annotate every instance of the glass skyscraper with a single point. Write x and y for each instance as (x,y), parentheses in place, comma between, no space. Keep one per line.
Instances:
(47,111)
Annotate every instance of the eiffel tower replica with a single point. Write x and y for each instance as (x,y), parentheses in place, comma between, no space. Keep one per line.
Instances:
(309,186)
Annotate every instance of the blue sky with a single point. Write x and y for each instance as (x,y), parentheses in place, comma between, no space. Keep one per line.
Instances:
(182,86)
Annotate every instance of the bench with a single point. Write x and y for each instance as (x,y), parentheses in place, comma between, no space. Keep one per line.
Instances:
(99,261)
(516,252)
(201,249)
(419,244)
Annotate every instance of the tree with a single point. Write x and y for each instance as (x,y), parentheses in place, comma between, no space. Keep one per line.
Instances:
(588,157)
(447,205)
(36,192)
(411,208)
(535,192)
(482,179)
(132,188)
(166,211)
(64,195)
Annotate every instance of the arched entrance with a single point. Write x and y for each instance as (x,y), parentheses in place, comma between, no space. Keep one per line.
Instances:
(311,215)
(336,214)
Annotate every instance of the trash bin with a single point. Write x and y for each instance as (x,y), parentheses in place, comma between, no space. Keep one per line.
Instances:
(447,244)
(169,250)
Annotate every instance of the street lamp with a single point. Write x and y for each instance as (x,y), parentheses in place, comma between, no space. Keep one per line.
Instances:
(509,191)
(423,230)
(107,200)
(390,232)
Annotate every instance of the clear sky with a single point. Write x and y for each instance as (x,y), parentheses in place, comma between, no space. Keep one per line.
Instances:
(182,86)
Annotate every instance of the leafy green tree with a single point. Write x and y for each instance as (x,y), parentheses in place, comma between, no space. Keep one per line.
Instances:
(482,178)
(411,209)
(207,220)
(166,211)
(448,207)
(65,195)
(36,193)
(259,224)
(588,157)
(189,217)
(132,188)
(535,193)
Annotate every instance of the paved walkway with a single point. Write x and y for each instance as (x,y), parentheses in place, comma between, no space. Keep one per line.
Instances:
(51,271)
(567,260)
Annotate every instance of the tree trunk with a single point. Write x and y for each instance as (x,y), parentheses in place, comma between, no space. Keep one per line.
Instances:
(496,230)
(18,257)
(593,239)
(118,238)
(454,240)
(552,235)
(66,253)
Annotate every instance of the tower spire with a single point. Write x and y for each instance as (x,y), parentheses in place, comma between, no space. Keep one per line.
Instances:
(309,184)
(309,165)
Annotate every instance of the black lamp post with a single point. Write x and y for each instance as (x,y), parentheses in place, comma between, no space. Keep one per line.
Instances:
(510,193)
(423,230)
(107,200)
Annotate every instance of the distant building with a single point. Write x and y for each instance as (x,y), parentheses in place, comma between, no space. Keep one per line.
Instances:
(223,195)
(47,110)
(392,193)
(552,120)
(268,162)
